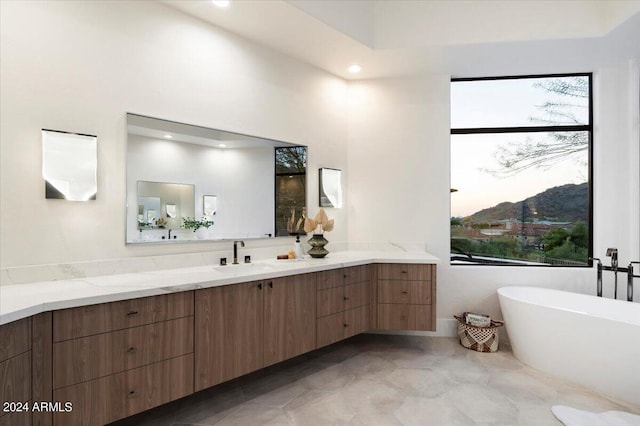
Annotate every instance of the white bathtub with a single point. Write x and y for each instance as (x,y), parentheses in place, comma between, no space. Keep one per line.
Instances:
(585,339)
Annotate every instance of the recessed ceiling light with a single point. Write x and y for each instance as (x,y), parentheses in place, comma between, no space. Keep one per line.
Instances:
(222,145)
(168,136)
(354,69)
(221,3)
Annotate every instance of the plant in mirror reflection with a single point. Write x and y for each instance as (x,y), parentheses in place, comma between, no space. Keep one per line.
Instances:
(319,224)
(192,223)
(294,225)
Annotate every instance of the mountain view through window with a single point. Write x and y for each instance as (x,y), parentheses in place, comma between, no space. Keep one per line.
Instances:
(521,170)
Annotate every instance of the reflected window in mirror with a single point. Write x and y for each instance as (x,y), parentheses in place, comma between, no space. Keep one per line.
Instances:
(290,199)
(330,187)
(69,165)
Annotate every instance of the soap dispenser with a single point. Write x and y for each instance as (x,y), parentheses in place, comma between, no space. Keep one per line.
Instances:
(297,248)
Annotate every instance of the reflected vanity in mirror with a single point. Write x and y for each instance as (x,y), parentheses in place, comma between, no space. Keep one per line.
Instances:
(164,158)
(330,187)
(69,165)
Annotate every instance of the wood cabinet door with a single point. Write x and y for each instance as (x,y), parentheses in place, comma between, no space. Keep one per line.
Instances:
(289,317)
(229,332)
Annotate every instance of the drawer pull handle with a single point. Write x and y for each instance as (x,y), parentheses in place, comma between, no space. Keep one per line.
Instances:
(345,298)
(404,317)
(270,284)
(132,313)
(345,325)
(404,292)
(260,286)
(132,392)
(131,350)
(403,272)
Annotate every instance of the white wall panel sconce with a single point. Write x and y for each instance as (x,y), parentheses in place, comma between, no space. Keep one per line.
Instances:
(330,187)
(69,165)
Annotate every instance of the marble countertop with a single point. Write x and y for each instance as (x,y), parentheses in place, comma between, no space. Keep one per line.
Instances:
(23,300)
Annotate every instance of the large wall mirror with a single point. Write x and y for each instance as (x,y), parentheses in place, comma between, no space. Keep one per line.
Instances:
(178,171)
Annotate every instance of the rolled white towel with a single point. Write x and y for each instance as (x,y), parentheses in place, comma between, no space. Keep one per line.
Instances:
(574,417)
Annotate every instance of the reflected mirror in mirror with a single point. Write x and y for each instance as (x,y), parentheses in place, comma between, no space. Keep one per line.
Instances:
(156,197)
(146,205)
(330,188)
(210,205)
(69,165)
(239,169)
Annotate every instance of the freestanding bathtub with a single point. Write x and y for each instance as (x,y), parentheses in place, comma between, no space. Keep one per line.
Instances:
(585,339)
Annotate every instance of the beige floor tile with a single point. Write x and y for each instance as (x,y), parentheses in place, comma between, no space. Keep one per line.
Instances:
(431,411)
(379,380)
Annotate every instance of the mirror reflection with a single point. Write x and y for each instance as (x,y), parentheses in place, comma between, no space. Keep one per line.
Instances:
(240,170)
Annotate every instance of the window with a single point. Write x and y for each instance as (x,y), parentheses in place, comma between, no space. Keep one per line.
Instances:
(521,170)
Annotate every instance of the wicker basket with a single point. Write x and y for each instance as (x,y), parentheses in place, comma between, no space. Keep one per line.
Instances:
(481,339)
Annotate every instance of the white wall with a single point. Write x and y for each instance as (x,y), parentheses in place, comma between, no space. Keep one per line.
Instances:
(80,66)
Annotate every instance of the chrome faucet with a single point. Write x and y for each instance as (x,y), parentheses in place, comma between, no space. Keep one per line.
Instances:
(630,277)
(613,253)
(235,250)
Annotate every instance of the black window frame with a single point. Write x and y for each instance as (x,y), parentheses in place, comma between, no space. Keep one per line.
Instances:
(538,129)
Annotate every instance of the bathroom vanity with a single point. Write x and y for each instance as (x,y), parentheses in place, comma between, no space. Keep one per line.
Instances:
(94,362)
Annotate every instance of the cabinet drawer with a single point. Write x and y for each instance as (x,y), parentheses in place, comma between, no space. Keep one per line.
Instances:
(114,397)
(342,325)
(15,379)
(330,301)
(356,295)
(87,358)
(330,279)
(404,317)
(399,291)
(17,418)
(356,274)
(411,271)
(330,329)
(88,320)
(15,338)
(338,299)
(356,321)
(342,276)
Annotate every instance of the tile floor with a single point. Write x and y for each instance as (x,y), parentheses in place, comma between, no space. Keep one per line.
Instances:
(384,380)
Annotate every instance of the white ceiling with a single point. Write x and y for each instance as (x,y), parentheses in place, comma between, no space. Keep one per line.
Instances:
(401,37)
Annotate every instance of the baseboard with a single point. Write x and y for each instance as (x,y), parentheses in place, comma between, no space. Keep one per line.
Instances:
(445,327)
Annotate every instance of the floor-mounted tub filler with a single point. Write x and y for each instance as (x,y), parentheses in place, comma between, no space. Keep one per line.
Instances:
(585,339)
